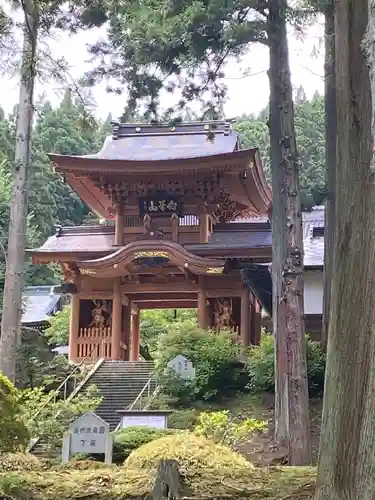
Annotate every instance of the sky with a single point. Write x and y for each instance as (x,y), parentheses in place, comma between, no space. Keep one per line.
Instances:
(246,94)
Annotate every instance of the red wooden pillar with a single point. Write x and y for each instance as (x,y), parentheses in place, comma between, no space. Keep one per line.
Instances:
(257,322)
(116,321)
(135,335)
(202,305)
(126,328)
(73,329)
(245,318)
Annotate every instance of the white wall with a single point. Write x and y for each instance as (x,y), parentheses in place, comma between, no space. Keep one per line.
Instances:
(313,292)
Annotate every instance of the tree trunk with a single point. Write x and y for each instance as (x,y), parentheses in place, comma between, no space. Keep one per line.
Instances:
(330,160)
(291,406)
(10,326)
(346,466)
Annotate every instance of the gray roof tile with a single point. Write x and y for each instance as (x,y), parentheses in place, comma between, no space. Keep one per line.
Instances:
(39,304)
(161,143)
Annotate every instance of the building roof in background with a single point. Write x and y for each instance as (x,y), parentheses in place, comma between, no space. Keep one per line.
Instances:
(39,304)
(313,244)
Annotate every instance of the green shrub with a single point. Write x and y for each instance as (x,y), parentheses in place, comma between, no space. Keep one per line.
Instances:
(13,432)
(221,427)
(261,366)
(215,357)
(12,462)
(130,438)
(183,419)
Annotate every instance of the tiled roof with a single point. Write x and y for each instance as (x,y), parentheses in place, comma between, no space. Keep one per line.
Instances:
(145,142)
(39,304)
(243,234)
(313,245)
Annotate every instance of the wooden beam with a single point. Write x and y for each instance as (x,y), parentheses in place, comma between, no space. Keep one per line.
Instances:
(157,297)
(168,304)
(181,287)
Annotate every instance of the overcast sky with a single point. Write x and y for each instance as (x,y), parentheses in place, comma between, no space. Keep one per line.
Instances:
(245,94)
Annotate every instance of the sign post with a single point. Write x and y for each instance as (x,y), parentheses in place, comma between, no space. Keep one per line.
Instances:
(88,434)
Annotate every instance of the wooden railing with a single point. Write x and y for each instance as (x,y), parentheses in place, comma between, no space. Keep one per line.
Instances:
(88,346)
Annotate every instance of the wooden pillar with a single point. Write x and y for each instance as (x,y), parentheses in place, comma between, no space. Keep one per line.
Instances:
(126,325)
(257,322)
(73,329)
(202,304)
(135,335)
(245,318)
(116,320)
(204,227)
(119,228)
(175,227)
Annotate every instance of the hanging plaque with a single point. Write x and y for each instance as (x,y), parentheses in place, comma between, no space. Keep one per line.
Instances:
(160,205)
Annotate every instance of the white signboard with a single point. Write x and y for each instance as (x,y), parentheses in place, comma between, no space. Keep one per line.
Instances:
(155,421)
(89,434)
(183,367)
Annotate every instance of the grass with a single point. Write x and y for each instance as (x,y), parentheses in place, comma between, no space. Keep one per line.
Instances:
(115,483)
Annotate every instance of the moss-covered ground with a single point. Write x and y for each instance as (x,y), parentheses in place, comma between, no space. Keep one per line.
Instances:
(116,483)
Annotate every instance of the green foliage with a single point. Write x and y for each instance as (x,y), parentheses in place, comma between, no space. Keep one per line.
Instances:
(261,366)
(220,427)
(215,357)
(13,433)
(50,418)
(37,363)
(190,41)
(68,129)
(309,123)
(183,419)
(155,322)
(130,438)
(58,333)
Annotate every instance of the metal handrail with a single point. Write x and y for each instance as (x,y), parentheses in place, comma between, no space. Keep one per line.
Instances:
(64,383)
(147,387)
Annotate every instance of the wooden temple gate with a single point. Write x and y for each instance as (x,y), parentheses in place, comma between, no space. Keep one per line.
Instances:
(171,240)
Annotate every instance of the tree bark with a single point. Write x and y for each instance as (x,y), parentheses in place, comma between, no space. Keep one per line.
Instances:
(291,405)
(12,301)
(346,466)
(330,160)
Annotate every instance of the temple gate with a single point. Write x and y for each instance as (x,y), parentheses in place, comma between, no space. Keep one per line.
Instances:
(172,199)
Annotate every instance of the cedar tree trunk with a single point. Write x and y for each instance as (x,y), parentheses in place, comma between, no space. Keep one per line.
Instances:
(12,301)
(346,467)
(291,404)
(330,160)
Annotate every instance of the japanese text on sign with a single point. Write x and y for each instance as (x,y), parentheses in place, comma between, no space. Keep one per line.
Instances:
(159,206)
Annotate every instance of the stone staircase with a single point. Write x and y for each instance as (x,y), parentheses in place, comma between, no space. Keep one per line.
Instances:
(120,383)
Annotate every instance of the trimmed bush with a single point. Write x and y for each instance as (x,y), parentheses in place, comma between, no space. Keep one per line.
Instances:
(215,357)
(261,366)
(12,462)
(129,439)
(193,453)
(14,435)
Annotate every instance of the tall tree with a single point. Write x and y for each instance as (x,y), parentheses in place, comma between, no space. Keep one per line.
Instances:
(346,463)
(10,325)
(291,403)
(330,159)
(40,17)
(201,37)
